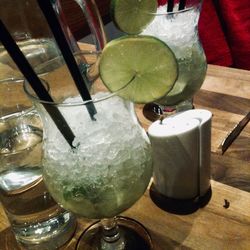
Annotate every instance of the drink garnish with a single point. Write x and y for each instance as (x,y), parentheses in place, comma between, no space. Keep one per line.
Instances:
(139,68)
(131,16)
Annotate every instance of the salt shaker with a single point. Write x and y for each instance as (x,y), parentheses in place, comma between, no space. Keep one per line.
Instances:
(181,152)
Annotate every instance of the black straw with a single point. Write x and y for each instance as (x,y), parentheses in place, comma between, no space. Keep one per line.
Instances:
(79,79)
(182,4)
(35,82)
(170,5)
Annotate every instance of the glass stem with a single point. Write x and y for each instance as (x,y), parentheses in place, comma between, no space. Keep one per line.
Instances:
(110,230)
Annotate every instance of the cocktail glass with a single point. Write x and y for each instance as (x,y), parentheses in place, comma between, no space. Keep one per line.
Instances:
(178,29)
(106,169)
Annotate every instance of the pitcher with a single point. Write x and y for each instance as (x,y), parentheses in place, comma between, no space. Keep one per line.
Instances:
(28,26)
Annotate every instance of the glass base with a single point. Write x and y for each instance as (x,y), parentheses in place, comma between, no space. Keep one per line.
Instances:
(153,111)
(134,236)
(179,206)
(47,235)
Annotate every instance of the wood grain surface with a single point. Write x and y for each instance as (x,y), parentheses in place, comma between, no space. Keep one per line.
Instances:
(225,93)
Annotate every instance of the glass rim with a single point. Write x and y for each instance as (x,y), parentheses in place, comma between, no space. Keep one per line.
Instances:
(11,79)
(64,104)
(23,111)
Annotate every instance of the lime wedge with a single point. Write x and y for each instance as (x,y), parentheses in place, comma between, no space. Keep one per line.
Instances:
(139,68)
(132,16)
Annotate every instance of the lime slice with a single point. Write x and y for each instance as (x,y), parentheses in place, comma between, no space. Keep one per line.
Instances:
(132,16)
(139,68)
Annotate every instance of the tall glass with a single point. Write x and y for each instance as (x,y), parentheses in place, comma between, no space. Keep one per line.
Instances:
(178,29)
(109,165)
(35,218)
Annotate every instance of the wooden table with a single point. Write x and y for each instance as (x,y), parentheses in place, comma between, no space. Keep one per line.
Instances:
(226,93)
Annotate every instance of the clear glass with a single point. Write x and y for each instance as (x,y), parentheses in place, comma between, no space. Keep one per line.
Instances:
(28,27)
(178,29)
(94,20)
(35,218)
(109,165)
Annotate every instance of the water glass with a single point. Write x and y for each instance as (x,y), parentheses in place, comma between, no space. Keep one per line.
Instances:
(36,219)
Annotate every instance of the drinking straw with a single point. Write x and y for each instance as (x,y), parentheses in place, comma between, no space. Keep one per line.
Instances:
(182,4)
(79,79)
(170,5)
(35,82)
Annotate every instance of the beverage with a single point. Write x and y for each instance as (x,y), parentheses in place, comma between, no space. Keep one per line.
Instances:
(106,173)
(30,208)
(178,30)
(20,141)
(27,203)
(107,166)
(192,71)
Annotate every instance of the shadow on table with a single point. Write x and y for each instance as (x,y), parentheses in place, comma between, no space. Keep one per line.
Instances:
(177,206)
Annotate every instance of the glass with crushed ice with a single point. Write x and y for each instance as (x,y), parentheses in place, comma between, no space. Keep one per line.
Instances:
(178,29)
(109,165)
